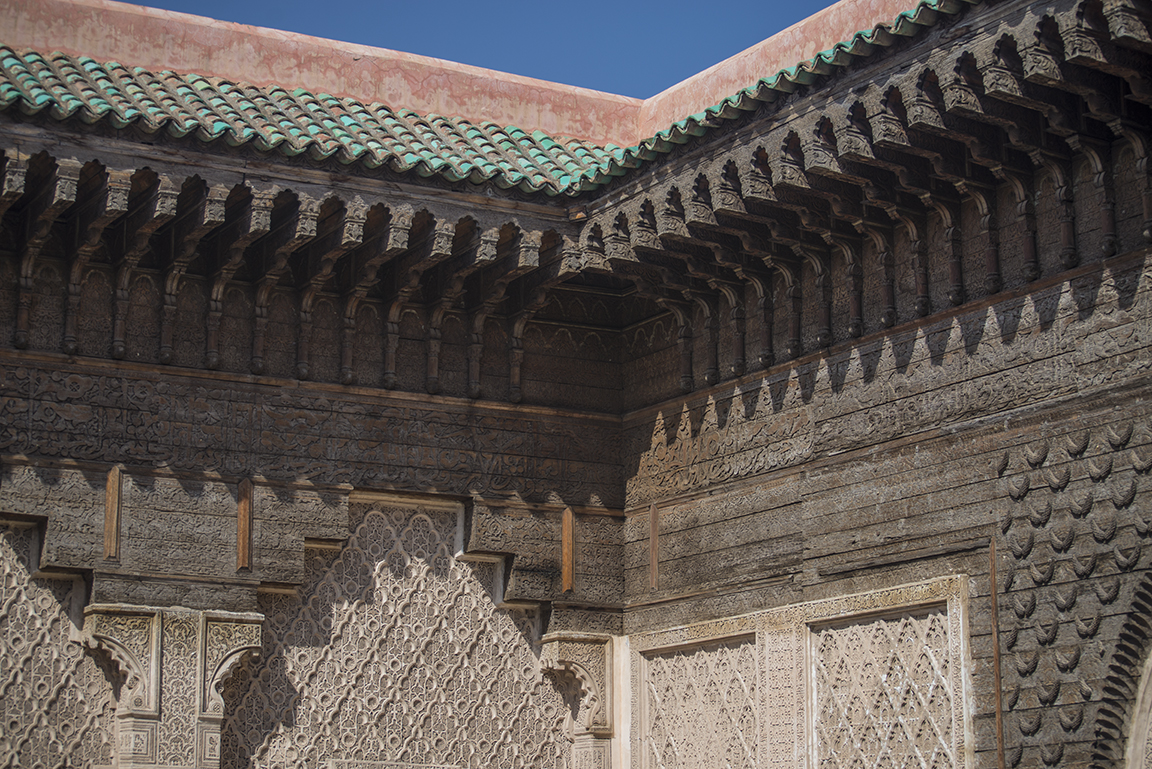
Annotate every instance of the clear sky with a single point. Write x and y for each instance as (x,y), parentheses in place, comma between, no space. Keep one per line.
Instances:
(630,47)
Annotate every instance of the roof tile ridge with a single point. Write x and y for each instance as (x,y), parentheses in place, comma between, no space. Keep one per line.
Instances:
(211,125)
(36,96)
(485,168)
(546,164)
(324,143)
(524,170)
(349,137)
(301,139)
(109,80)
(411,156)
(377,131)
(253,119)
(449,129)
(55,64)
(182,120)
(786,80)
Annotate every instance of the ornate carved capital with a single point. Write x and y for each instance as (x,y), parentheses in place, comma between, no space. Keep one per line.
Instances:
(196,651)
(584,658)
(130,637)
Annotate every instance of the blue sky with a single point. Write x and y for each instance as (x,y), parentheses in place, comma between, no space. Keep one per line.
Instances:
(631,48)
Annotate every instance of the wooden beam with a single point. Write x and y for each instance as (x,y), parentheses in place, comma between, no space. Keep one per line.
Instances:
(568,551)
(653,548)
(112,491)
(244,526)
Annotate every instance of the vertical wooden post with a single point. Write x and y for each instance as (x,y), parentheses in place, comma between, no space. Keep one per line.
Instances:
(112,489)
(568,551)
(996,651)
(244,526)
(653,548)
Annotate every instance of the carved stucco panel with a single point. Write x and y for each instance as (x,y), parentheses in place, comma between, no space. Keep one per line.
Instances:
(56,701)
(394,652)
(817,679)
(699,706)
(881,691)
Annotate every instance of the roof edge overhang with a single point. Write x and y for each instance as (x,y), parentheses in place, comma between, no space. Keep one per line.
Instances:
(165,40)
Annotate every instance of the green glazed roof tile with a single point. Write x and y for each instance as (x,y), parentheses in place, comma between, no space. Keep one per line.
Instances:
(294,122)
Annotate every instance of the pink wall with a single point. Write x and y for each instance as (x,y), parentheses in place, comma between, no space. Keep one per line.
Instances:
(787,48)
(157,40)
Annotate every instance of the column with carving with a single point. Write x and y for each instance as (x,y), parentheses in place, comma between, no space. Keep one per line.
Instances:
(582,664)
(172,663)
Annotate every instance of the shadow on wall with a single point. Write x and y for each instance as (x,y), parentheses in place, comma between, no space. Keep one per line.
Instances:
(394,650)
(994,356)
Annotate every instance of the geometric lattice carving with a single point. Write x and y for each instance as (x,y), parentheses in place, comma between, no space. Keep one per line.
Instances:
(700,706)
(870,680)
(393,651)
(882,693)
(56,703)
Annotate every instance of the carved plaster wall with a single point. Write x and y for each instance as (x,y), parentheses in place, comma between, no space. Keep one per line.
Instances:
(878,678)
(172,663)
(56,704)
(395,652)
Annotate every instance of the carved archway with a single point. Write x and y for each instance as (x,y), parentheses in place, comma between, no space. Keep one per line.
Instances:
(1139,753)
(1125,715)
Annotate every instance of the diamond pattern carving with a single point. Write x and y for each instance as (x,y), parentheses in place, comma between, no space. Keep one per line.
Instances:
(394,652)
(55,702)
(700,707)
(883,694)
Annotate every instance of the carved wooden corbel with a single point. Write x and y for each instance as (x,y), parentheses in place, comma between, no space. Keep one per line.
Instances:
(208,211)
(882,243)
(252,223)
(761,283)
(1062,178)
(1141,144)
(953,250)
(985,202)
(15,172)
(699,208)
(53,201)
(818,263)
(1022,191)
(915,226)
(851,253)
(111,205)
(711,324)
